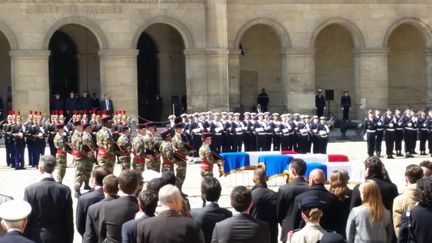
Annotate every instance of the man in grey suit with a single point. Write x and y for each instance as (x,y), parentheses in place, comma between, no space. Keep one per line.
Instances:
(241,227)
(211,213)
(169,225)
(110,189)
(51,219)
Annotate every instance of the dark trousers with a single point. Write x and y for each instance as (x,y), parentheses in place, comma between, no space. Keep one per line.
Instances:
(10,153)
(225,147)
(237,142)
(246,142)
(398,140)
(53,150)
(276,142)
(7,147)
(261,140)
(253,145)
(408,134)
(345,113)
(316,144)
(389,140)
(30,145)
(378,141)
(320,111)
(285,142)
(423,136)
(370,139)
(302,144)
(268,142)
(322,144)
(217,143)
(19,155)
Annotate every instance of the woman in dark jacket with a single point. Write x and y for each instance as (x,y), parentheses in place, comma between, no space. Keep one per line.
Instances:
(338,187)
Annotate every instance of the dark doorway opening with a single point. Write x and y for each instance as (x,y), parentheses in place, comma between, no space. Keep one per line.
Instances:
(63,64)
(148,76)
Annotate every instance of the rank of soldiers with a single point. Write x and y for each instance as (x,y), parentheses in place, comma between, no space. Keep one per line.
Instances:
(255,132)
(408,126)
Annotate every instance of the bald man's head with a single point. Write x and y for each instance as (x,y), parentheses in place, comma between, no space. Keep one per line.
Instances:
(316,177)
(260,175)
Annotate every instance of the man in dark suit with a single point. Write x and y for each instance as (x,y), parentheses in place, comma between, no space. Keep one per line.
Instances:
(211,213)
(71,104)
(330,219)
(110,189)
(147,201)
(107,105)
(90,198)
(287,194)
(241,227)
(320,103)
(264,203)
(51,219)
(116,212)
(95,104)
(169,225)
(57,104)
(14,220)
(85,102)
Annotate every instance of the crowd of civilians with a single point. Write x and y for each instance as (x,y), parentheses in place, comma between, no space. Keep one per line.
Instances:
(126,209)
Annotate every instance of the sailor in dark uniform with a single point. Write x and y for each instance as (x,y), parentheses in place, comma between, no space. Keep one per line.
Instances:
(389,123)
(276,128)
(260,130)
(398,132)
(238,129)
(409,130)
(247,130)
(429,127)
(423,131)
(379,132)
(369,128)
(319,103)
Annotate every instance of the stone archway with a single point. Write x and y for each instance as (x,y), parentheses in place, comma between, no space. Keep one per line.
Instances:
(5,76)
(334,64)
(161,70)
(260,67)
(407,62)
(74,60)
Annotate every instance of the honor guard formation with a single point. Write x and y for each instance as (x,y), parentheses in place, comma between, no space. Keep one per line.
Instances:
(393,128)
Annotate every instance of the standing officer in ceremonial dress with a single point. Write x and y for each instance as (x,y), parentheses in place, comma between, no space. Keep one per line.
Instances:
(422,131)
(246,131)
(104,141)
(61,153)
(268,132)
(345,105)
(429,127)
(389,123)
(10,148)
(302,135)
(275,127)
(285,127)
(29,140)
(152,145)
(125,145)
(320,103)
(138,149)
(50,129)
(369,127)
(180,148)
(217,130)
(253,135)
(90,158)
(323,132)
(39,140)
(399,131)
(238,130)
(18,139)
(409,130)
(207,158)
(379,132)
(314,134)
(167,151)
(260,131)
(79,157)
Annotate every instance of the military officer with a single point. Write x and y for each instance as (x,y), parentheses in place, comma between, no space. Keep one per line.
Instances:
(429,126)
(422,131)
(138,149)
(379,132)
(320,103)
(125,145)
(369,127)
(50,129)
(90,158)
(166,151)
(79,157)
(408,124)
(314,137)
(323,131)
(18,139)
(104,141)
(238,130)
(10,149)
(61,152)
(207,158)
(389,123)
(399,130)
(276,128)
(260,131)
(152,144)
(179,147)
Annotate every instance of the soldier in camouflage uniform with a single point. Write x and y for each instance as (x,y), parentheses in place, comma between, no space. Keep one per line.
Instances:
(152,144)
(125,144)
(61,155)
(104,141)
(90,158)
(166,151)
(179,147)
(206,156)
(138,149)
(79,157)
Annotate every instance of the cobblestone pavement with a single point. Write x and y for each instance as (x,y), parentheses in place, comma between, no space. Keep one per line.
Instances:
(13,182)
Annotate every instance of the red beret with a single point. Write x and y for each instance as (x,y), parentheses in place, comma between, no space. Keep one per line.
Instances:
(77,123)
(86,125)
(150,124)
(59,126)
(206,135)
(165,133)
(105,119)
(178,125)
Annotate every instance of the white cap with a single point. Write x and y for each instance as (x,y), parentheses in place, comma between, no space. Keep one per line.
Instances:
(15,210)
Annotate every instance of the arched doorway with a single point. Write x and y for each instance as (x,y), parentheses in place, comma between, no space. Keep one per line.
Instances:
(260,67)
(407,84)
(74,61)
(5,77)
(334,65)
(161,71)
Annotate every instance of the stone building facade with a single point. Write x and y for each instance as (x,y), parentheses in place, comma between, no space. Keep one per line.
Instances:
(219,53)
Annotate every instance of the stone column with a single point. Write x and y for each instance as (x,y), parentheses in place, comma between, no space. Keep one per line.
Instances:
(428,56)
(371,79)
(30,80)
(234,78)
(298,79)
(196,82)
(119,78)
(217,56)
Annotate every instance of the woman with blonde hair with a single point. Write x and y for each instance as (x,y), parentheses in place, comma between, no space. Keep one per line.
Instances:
(371,221)
(312,232)
(338,187)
